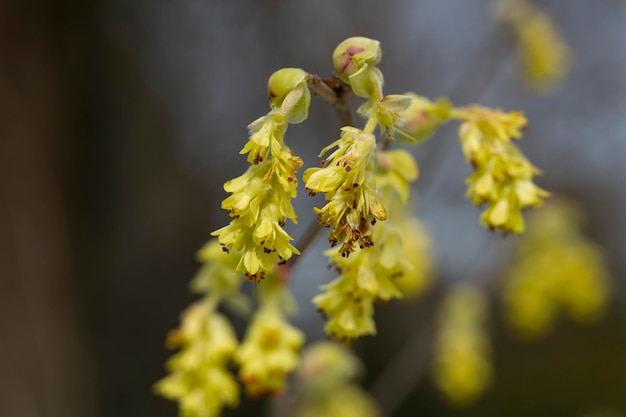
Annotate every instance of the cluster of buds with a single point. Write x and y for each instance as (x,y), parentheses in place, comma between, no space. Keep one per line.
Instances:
(462,367)
(556,269)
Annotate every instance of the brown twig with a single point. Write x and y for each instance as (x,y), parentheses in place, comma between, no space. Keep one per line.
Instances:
(305,241)
(337,93)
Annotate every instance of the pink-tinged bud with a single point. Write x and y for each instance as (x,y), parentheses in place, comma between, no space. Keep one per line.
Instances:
(421,119)
(353,54)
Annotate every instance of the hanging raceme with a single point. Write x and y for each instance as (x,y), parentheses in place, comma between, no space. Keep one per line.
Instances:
(544,58)
(556,271)
(462,367)
(260,202)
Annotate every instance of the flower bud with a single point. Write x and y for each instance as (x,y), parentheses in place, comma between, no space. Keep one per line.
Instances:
(288,92)
(421,119)
(353,54)
(283,81)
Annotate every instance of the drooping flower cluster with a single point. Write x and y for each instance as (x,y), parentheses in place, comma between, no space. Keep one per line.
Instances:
(502,176)
(556,270)
(462,367)
(347,179)
(370,274)
(270,349)
(543,55)
(326,380)
(200,380)
(260,201)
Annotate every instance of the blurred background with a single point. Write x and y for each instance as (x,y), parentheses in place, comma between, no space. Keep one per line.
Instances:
(120,121)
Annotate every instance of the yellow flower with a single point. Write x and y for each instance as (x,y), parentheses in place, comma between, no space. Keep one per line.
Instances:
(396,170)
(260,200)
(199,379)
(217,274)
(348,308)
(417,250)
(269,351)
(544,57)
(386,111)
(502,176)
(372,274)
(556,270)
(347,179)
(326,377)
(345,401)
(462,368)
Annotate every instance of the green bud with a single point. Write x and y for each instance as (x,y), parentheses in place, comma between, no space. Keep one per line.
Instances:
(421,119)
(367,82)
(288,92)
(283,81)
(353,54)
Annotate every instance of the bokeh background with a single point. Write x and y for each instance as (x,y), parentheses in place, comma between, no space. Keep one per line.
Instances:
(119,121)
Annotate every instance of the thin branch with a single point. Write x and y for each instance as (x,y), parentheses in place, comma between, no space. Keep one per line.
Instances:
(305,241)
(412,362)
(408,366)
(480,75)
(337,93)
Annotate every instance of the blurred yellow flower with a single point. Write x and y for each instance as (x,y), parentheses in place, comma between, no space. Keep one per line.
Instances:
(555,270)
(326,377)
(269,351)
(462,365)
(200,379)
(545,59)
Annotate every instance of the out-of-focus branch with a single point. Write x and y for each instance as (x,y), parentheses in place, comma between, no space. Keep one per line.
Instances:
(337,94)
(408,366)
(411,363)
